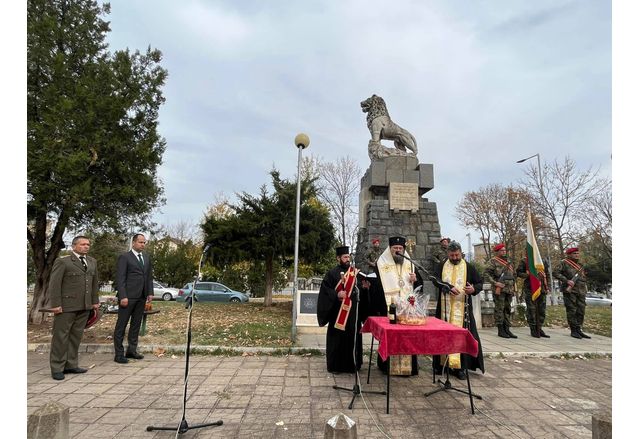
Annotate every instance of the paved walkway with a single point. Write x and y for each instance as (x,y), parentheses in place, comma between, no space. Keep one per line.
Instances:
(265,396)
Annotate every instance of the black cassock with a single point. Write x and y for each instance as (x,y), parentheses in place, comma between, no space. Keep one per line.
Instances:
(377,306)
(467,360)
(339,343)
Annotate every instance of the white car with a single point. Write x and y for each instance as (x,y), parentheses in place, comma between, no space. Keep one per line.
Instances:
(162,292)
(597,299)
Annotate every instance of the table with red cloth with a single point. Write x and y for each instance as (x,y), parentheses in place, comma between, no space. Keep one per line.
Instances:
(436,337)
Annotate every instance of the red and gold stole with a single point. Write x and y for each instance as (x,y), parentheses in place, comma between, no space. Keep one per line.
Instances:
(504,263)
(346,284)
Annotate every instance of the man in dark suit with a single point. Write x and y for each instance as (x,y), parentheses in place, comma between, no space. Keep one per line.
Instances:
(73,292)
(134,283)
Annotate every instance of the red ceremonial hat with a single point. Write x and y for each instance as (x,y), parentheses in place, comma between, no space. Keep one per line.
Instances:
(375,240)
(571,250)
(498,247)
(94,316)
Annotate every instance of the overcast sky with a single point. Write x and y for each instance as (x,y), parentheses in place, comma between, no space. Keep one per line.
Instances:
(480,84)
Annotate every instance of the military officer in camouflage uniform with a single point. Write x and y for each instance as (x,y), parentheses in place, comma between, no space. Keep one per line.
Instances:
(73,292)
(373,254)
(536,310)
(501,275)
(573,281)
(440,255)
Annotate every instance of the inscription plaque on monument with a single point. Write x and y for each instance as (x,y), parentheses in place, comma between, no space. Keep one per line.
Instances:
(403,196)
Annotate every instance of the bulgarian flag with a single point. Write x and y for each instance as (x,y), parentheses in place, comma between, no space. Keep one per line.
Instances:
(534,261)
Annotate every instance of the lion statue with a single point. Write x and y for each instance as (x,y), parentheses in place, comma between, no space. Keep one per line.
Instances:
(382,127)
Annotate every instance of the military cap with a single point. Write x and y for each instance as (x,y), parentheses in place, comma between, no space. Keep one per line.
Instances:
(94,316)
(571,250)
(498,247)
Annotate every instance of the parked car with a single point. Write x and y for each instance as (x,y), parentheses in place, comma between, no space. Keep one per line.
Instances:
(163,292)
(212,292)
(597,299)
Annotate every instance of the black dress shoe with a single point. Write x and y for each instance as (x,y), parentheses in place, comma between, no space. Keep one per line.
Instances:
(57,375)
(75,370)
(121,360)
(582,334)
(135,355)
(459,373)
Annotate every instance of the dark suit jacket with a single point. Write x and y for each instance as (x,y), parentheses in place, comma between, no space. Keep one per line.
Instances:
(133,281)
(70,286)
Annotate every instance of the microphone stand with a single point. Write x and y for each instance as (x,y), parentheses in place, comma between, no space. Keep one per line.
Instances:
(356,389)
(183,427)
(445,287)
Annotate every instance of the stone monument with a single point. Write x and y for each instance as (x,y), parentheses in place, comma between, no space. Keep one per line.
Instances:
(391,192)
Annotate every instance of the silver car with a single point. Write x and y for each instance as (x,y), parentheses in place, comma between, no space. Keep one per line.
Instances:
(163,292)
(596,299)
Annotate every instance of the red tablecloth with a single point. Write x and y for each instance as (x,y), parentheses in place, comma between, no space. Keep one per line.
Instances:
(434,338)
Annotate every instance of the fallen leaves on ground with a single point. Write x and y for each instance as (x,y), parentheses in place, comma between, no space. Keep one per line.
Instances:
(212,324)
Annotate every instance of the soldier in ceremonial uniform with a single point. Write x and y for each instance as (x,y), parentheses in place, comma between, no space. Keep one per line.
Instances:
(536,310)
(440,255)
(73,292)
(501,275)
(373,254)
(340,339)
(573,280)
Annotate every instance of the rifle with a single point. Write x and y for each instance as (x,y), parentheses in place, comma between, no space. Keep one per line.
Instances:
(499,289)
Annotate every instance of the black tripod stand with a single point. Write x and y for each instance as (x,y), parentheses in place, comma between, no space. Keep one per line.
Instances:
(446,385)
(183,427)
(356,389)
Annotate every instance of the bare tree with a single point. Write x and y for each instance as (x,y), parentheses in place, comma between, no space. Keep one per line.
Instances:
(496,211)
(563,197)
(339,187)
(597,218)
(220,208)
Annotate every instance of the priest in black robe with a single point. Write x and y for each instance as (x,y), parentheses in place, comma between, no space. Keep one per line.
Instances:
(340,343)
(472,286)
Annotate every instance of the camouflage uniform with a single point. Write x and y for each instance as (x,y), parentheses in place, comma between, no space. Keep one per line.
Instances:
(496,272)
(575,299)
(439,256)
(372,256)
(540,305)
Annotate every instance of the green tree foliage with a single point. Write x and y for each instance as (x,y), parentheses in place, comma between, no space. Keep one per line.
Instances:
(92,141)
(261,230)
(106,247)
(174,266)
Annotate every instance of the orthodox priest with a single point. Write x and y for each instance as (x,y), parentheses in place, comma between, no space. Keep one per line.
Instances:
(337,305)
(396,278)
(450,307)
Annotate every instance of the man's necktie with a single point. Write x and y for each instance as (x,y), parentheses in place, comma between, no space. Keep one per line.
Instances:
(84,264)
(140,259)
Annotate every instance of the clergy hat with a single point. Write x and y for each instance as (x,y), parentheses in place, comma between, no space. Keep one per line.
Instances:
(571,250)
(397,240)
(342,250)
(498,247)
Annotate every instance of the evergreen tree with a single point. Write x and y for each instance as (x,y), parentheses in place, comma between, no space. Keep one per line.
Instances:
(92,141)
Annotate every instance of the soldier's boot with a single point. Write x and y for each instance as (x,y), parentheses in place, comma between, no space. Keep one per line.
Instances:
(575,333)
(501,332)
(582,334)
(542,334)
(534,332)
(508,331)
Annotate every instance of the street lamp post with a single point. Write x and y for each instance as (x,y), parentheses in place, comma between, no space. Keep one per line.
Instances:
(554,299)
(301,142)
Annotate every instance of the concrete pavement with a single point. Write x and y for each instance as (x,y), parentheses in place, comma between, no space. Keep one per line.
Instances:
(527,392)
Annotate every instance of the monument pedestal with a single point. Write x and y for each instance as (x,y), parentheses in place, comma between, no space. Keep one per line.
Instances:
(392,203)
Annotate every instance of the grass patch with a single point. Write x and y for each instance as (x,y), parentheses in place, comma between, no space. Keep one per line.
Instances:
(213,324)
(597,319)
